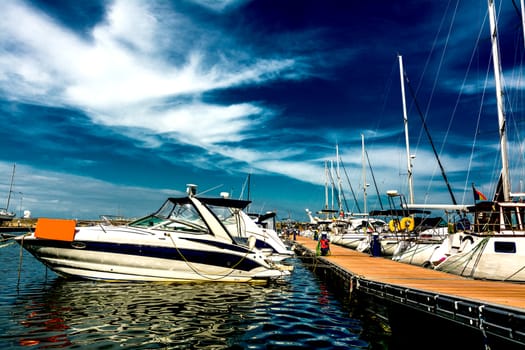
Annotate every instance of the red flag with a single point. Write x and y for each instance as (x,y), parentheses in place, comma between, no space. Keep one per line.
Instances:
(478,196)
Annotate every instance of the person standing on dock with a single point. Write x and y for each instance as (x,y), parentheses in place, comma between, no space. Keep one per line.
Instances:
(324,245)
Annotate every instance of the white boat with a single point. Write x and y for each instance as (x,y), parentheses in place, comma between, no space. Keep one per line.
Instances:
(184,240)
(242,226)
(6,215)
(493,248)
(360,230)
(406,227)
(426,250)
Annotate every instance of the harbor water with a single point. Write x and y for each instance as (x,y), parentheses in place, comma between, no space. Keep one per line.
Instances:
(40,310)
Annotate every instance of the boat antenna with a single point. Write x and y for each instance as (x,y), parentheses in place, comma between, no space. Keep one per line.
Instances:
(211,189)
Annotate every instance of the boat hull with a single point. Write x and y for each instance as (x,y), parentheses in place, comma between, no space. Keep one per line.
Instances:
(418,253)
(492,258)
(352,241)
(140,262)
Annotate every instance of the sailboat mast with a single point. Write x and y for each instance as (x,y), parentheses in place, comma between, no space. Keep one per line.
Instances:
(332,182)
(326,184)
(10,187)
(499,98)
(248,195)
(405,119)
(364,170)
(339,185)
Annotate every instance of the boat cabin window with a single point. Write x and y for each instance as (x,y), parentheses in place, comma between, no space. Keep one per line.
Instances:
(505,247)
(487,221)
(148,221)
(231,219)
(512,218)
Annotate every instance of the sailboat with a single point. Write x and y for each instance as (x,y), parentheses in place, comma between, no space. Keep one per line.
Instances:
(5,214)
(361,226)
(412,234)
(493,247)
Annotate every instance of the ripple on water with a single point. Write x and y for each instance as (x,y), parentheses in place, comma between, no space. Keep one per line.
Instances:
(52,312)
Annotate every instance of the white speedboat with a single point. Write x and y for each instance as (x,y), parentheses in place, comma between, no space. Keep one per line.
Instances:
(182,241)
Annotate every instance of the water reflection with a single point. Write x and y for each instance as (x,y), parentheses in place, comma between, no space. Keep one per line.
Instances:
(298,313)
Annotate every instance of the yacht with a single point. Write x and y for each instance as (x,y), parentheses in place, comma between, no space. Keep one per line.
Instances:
(184,240)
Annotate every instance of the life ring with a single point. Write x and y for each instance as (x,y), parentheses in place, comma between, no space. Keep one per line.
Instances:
(394,225)
(407,224)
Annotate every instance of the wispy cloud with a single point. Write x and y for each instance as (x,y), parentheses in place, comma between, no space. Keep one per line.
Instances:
(51,192)
(119,78)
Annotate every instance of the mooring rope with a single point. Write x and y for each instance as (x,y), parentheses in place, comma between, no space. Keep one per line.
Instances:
(468,257)
(20,261)
(515,273)
(194,269)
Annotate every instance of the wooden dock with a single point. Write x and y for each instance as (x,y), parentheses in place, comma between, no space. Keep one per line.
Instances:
(495,308)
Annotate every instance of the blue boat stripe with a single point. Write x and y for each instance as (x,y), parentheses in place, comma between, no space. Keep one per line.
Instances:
(193,256)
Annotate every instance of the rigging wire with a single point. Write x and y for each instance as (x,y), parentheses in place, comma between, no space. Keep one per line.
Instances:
(466,187)
(435,43)
(337,192)
(374,179)
(427,63)
(431,142)
(434,88)
(476,132)
(351,189)
(517,77)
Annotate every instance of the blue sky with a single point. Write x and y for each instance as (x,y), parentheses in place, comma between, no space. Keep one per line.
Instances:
(110,107)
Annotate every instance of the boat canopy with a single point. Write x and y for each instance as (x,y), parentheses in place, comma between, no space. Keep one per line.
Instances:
(220,202)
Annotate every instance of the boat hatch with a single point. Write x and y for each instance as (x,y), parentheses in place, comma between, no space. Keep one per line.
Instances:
(56,229)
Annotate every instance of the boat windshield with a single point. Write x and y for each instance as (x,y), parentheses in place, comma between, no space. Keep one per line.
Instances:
(225,214)
(175,216)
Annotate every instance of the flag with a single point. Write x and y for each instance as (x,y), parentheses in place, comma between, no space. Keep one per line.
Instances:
(478,196)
